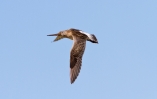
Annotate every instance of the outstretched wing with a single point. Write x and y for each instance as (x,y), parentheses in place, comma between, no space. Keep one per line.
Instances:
(76,57)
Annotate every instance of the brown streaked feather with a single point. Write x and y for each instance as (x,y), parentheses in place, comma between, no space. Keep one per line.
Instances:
(79,38)
(76,57)
(77,33)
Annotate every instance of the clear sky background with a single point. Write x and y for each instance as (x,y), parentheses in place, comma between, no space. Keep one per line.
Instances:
(122,66)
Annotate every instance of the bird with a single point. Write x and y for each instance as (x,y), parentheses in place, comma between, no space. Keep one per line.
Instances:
(79,38)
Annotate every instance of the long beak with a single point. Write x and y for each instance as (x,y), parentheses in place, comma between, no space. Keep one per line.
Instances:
(52,35)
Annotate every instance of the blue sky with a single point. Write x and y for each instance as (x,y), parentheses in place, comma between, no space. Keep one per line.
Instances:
(122,66)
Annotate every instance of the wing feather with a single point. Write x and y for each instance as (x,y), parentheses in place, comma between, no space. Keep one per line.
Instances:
(76,57)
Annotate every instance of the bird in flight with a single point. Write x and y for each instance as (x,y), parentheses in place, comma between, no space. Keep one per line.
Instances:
(79,43)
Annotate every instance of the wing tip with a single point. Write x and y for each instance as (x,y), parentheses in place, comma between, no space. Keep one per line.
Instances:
(72,82)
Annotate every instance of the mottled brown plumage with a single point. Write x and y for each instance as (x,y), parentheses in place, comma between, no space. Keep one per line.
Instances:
(79,37)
